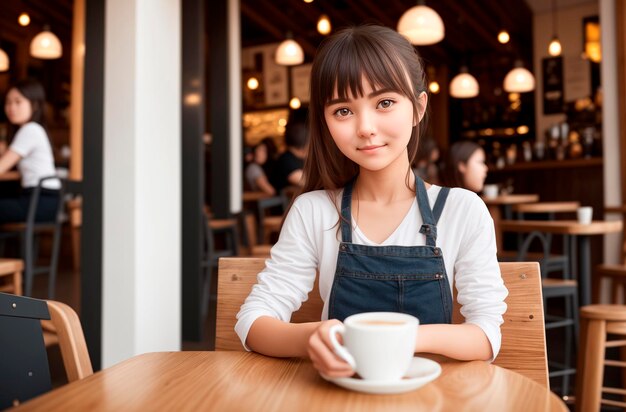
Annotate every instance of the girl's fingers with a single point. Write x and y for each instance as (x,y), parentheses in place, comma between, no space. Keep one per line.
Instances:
(323,358)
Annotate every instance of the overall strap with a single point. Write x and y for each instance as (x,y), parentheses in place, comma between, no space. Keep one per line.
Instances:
(346,213)
(429,226)
(440,203)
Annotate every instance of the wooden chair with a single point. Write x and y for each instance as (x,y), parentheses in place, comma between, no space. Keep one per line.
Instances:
(523,336)
(11,268)
(64,322)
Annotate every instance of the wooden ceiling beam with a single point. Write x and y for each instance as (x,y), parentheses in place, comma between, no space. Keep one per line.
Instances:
(477,26)
(375,12)
(284,23)
(49,12)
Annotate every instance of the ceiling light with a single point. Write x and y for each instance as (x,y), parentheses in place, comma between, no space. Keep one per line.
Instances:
(308,1)
(464,85)
(289,52)
(4,61)
(24,19)
(295,103)
(554,48)
(519,79)
(46,45)
(434,87)
(323,25)
(503,37)
(253,83)
(421,25)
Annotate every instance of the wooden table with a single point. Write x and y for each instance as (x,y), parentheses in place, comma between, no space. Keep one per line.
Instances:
(495,206)
(579,236)
(12,175)
(241,381)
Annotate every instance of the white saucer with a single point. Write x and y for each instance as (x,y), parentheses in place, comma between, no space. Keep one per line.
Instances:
(421,372)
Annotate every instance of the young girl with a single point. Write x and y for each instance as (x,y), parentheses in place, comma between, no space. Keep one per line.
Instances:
(381,239)
(255,174)
(465,166)
(31,151)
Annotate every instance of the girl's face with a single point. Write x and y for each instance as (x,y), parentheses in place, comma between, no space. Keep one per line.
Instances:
(260,154)
(474,171)
(372,130)
(19,109)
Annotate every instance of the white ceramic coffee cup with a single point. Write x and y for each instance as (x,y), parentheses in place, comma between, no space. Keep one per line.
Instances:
(377,345)
(490,191)
(585,214)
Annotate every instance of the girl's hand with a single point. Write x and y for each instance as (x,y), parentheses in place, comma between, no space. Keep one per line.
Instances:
(321,352)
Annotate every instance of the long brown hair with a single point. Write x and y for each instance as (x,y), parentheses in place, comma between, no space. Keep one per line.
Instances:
(382,57)
(459,152)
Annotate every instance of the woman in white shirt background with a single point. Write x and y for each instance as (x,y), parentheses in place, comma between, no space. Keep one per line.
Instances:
(30,151)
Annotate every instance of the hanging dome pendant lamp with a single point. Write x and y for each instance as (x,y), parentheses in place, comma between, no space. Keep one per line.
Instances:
(464,85)
(46,45)
(519,79)
(289,52)
(421,25)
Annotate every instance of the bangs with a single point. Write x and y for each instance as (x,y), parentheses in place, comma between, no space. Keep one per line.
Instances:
(357,60)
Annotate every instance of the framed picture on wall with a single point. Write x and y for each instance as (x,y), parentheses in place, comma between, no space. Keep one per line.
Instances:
(272,86)
(300,82)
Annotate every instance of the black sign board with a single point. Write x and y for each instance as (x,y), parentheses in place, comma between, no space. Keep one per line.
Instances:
(552,69)
(24,371)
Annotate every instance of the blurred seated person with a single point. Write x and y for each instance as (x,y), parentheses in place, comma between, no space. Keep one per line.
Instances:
(465,166)
(256,178)
(289,165)
(31,151)
(426,163)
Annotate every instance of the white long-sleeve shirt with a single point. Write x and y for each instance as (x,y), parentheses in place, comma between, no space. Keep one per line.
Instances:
(309,241)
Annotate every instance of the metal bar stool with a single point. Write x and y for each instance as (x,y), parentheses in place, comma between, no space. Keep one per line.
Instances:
(28,232)
(557,288)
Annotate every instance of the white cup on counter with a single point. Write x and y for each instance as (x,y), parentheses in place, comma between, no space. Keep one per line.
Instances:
(585,215)
(490,191)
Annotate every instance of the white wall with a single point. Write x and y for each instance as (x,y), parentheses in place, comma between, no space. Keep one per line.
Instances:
(235,111)
(142,127)
(570,33)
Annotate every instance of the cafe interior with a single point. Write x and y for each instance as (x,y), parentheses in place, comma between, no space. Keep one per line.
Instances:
(127,298)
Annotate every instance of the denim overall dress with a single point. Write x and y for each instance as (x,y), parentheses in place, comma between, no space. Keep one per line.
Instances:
(406,279)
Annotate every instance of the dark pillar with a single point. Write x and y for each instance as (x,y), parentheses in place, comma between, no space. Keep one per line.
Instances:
(193,127)
(91,231)
(219,103)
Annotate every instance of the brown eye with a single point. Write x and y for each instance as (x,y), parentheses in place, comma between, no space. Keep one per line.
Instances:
(342,112)
(385,104)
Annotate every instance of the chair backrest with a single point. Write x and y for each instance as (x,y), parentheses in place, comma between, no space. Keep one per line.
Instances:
(523,332)
(34,201)
(65,323)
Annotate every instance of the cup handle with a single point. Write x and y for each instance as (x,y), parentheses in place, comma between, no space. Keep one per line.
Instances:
(339,350)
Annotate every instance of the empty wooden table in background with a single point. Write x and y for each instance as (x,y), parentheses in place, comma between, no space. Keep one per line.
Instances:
(495,206)
(579,234)
(244,381)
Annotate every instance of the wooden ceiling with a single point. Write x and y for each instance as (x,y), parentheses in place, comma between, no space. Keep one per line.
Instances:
(471,26)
